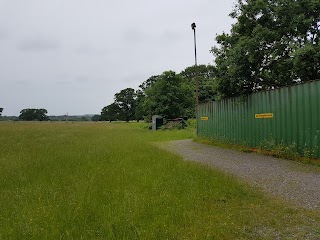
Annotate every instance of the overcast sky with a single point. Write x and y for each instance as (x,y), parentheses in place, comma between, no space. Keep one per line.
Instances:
(72,56)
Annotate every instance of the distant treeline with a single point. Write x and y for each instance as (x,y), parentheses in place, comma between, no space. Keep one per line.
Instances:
(72,118)
(32,114)
(9,118)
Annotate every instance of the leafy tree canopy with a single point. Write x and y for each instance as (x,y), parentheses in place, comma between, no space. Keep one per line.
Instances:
(148,83)
(31,114)
(1,109)
(168,97)
(126,101)
(273,43)
(140,111)
(110,112)
(206,80)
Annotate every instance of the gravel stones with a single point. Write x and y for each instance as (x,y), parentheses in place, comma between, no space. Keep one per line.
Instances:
(293,181)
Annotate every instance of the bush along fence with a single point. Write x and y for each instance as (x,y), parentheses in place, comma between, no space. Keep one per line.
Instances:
(287,119)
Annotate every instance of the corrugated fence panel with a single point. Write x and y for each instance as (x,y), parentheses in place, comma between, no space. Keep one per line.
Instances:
(288,116)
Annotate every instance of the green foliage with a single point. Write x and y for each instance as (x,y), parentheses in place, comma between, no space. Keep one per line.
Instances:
(72,118)
(111,181)
(123,108)
(126,102)
(270,147)
(148,83)
(139,110)
(168,97)
(1,109)
(306,62)
(223,143)
(267,147)
(31,114)
(281,150)
(308,153)
(96,118)
(272,44)
(110,112)
(206,82)
(169,94)
(192,123)
(9,118)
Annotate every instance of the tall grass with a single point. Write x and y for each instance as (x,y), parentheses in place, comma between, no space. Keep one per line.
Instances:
(110,181)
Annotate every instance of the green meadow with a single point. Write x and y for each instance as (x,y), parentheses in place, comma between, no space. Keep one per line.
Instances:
(111,181)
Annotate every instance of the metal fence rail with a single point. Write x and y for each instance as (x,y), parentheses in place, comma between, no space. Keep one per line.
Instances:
(288,116)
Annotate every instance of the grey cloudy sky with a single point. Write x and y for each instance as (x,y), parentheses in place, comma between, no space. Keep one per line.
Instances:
(72,56)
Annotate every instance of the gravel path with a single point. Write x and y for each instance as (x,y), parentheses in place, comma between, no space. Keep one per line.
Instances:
(296,182)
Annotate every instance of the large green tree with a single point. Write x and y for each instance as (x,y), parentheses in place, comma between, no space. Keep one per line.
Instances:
(110,113)
(32,114)
(206,81)
(272,44)
(148,83)
(140,111)
(126,100)
(168,97)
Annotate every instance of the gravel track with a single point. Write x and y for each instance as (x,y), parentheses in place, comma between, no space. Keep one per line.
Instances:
(293,181)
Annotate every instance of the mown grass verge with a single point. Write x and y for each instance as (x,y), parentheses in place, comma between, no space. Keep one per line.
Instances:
(109,181)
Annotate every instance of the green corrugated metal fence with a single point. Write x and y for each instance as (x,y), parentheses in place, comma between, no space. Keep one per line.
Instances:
(288,116)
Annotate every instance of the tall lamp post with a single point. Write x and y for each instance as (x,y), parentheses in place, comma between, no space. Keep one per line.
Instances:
(193,26)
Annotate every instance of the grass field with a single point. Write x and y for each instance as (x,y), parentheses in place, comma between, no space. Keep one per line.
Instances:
(111,181)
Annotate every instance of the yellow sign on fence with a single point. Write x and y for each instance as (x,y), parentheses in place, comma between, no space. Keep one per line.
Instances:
(264,115)
(204,118)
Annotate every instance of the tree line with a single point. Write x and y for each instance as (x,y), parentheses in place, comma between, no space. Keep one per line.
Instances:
(272,44)
(28,114)
(169,94)
(34,114)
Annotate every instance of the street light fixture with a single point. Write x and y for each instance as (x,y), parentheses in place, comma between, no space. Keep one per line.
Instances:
(193,26)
